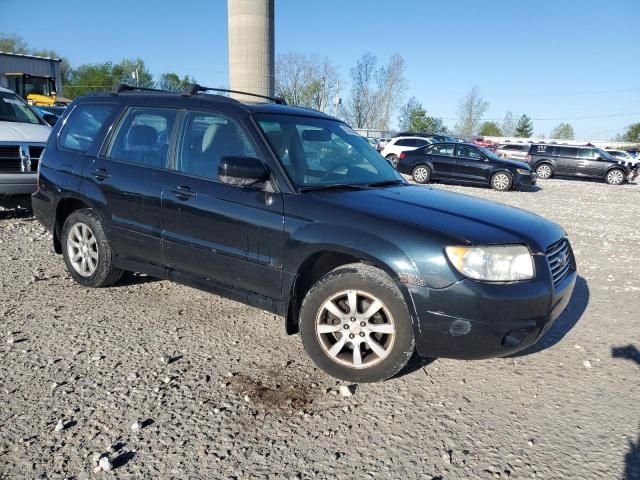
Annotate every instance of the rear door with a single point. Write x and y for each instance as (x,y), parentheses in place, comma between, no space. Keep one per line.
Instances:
(442,159)
(472,165)
(566,160)
(129,175)
(230,235)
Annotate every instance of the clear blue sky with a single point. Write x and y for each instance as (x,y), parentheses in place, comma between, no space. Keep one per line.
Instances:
(549,59)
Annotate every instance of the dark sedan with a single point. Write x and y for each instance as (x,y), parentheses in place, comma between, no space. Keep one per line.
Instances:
(465,163)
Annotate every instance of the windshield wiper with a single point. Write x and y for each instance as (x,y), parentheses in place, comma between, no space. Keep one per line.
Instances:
(384,183)
(334,186)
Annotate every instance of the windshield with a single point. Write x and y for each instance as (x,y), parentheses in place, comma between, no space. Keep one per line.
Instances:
(12,109)
(317,152)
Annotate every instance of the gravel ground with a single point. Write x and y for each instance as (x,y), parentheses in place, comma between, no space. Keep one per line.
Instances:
(165,381)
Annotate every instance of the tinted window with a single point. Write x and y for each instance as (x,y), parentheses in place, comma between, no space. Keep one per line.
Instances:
(440,150)
(566,151)
(587,153)
(14,109)
(143,137)
(421,143)
(406,142)
(82,126)
(468,152)
(206,138)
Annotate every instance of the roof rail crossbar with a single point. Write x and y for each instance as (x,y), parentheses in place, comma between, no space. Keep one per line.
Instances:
(123,87)
(194,88)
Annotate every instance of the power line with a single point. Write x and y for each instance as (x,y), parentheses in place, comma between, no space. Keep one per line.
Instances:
(557,118)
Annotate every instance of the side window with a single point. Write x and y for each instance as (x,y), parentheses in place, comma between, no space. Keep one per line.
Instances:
(82,126)
(441,150)
(468,152)
(421,143)
(587,153)
(143,136)
(406,142)
(206,138)
(566,151)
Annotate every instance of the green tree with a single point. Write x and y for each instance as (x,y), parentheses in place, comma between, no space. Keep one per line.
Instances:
(10,43)
(172,82)
(104,76)
(524,127)
(133,71)
(419,121)
(632,134)
(491,129)
(563,131)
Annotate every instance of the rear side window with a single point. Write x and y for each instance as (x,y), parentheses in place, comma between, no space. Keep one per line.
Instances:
(143,136)
(82,126)
(406,142)
(422,143)
(566,151)
(440,150)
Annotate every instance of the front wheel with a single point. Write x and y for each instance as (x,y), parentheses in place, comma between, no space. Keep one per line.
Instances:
(614,177)
(501,181)
(355,325)
(87,252)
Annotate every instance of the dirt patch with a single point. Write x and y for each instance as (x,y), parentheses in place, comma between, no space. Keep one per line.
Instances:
(274,396)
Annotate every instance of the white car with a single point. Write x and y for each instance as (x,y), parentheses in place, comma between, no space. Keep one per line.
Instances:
(397,145)
(23,136)
(623,156)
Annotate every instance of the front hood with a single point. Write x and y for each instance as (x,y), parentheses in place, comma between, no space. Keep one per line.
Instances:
(466,219)
(23,132)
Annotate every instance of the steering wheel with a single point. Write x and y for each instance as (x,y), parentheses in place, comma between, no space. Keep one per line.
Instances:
(329,175)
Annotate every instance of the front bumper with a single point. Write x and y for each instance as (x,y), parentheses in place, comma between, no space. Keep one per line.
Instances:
(473,320)
(13,184)
(525,180)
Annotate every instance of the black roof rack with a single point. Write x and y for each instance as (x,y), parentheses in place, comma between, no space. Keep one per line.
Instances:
(123,87)
(194,88)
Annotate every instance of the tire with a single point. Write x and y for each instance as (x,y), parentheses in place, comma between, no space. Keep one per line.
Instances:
(615,176)
(392,340)
(544,171)
(421,174)
(86,251)
(501,181)
(393,160)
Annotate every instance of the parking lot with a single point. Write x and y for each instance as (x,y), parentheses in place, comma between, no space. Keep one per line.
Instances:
(221,392)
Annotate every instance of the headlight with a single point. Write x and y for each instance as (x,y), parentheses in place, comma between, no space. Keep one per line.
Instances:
(523,171)
(505,263)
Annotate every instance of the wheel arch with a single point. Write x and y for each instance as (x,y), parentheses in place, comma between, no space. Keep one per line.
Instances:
(65,207)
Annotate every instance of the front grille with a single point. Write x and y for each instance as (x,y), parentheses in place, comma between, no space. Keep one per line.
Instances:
(560,258)
(13,159)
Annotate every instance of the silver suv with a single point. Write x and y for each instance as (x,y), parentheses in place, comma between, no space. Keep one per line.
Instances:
(513,151)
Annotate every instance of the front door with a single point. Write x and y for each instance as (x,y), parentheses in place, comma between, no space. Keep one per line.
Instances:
(227,234)
(590,164)
(472,165)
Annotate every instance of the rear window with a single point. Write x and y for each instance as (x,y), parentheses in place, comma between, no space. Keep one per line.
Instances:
(566,151)
(82,126)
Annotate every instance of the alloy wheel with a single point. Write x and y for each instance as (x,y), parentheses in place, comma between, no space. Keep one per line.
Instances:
(501,181)
(421,174)
(543,171)
(82,247)
(355,329)
(615,177)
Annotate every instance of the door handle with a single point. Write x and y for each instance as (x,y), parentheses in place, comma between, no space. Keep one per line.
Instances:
(183,192)
(101,174)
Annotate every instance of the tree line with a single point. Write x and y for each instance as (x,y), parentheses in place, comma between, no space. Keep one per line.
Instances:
(376,92)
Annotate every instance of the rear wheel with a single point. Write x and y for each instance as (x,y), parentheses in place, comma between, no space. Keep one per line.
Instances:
(544,171)
(87,252)
(615,176)
(421,174)
(393,160)
(355,324)
(501,181)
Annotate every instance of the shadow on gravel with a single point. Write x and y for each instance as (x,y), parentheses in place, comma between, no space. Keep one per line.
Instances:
(564,323)
(632,458)
(122,459)
(130,279)
(416,363)
(15,213)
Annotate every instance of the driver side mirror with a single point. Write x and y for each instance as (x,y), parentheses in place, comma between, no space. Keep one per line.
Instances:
(242,171)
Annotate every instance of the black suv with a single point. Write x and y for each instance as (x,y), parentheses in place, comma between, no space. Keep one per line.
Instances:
(584,161)
(292,211)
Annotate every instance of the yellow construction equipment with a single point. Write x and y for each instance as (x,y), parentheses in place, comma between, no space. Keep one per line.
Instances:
(35,89)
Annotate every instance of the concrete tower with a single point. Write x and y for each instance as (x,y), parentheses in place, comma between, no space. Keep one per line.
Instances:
(251,52)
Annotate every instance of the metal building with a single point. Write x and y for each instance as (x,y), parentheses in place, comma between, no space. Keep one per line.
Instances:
(32,65)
